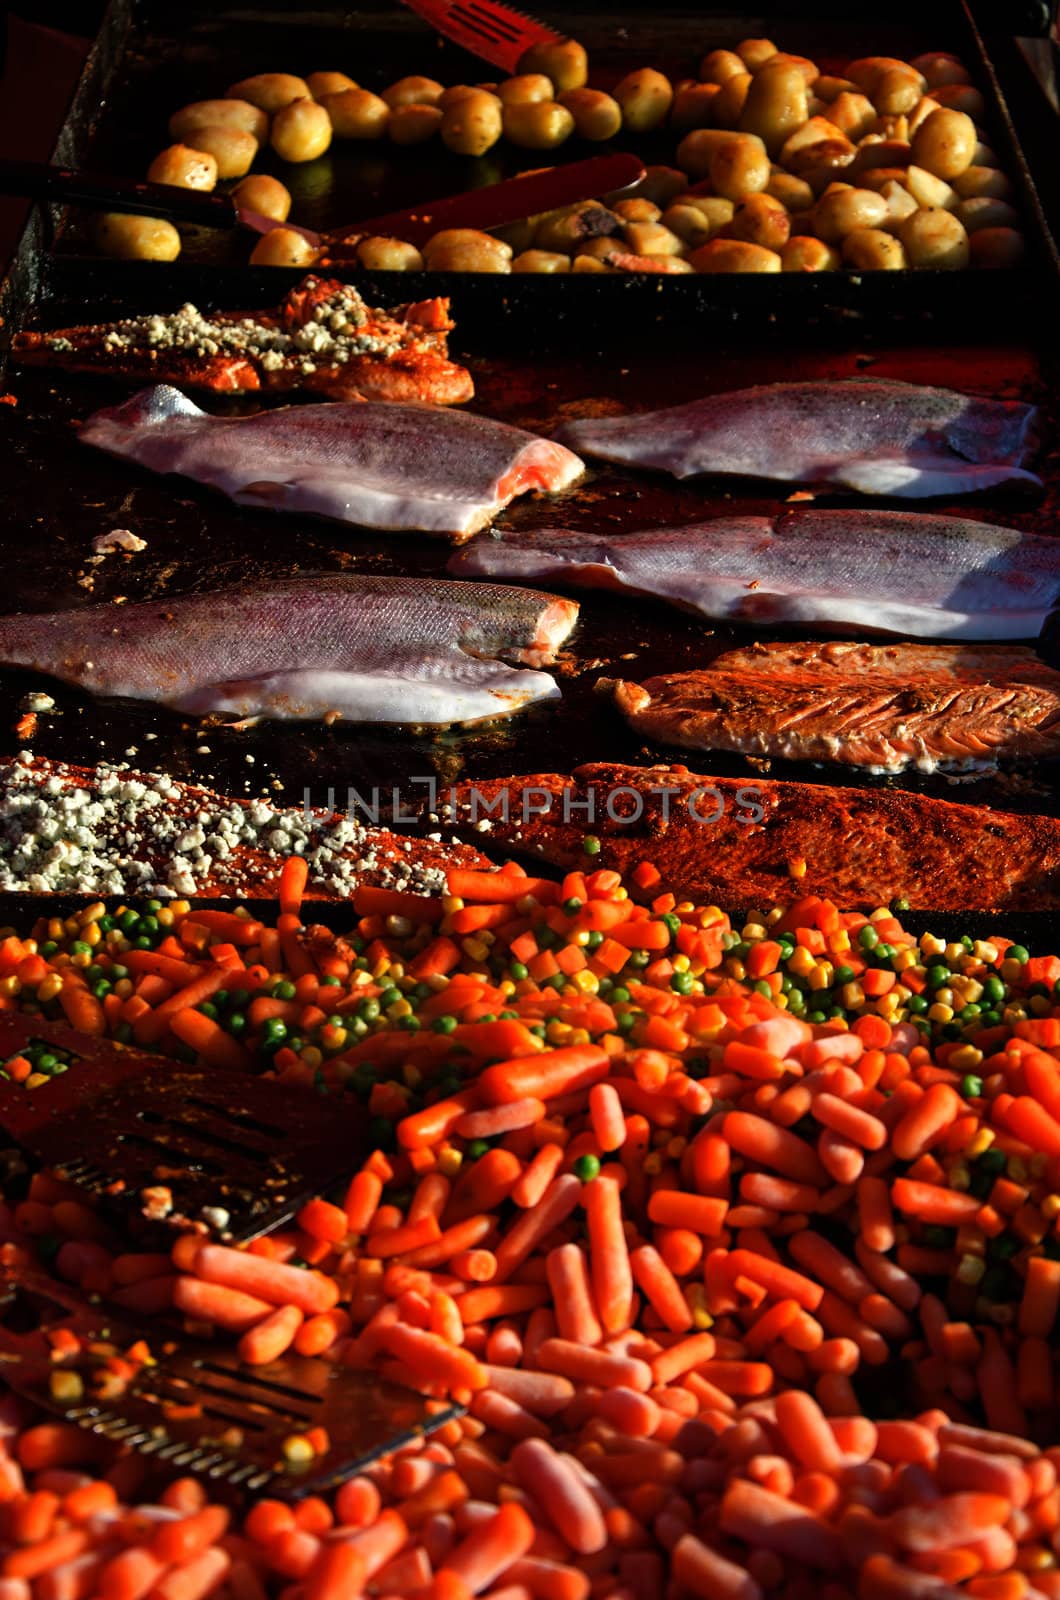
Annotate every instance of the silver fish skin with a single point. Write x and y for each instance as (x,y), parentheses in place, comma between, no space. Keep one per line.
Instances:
(888,571)
(401,650)
(402,467)
(872,435)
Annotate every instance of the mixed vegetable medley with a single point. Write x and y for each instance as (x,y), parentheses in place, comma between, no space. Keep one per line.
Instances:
(739,1243)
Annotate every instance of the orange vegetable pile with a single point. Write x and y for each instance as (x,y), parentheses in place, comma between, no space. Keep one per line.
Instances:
(740,1304)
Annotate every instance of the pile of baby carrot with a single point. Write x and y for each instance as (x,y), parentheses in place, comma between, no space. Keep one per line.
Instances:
(740,1245)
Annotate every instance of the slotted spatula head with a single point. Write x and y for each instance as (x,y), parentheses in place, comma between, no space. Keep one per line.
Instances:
(196,1407)
(237,1152)
(499,33)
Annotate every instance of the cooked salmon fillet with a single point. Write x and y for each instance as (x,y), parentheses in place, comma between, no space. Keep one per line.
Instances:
(108,830)
(771,841)
(323,337)
(881,706)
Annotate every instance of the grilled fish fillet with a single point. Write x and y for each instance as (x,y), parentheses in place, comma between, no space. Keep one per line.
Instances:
(872,435)
(891,571)
(880,706)
(322,338)
(110,830)
(861,847)
(401,467)
(403,650)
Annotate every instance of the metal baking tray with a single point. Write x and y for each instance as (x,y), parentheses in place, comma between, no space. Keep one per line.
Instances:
(532,367)
(147,63)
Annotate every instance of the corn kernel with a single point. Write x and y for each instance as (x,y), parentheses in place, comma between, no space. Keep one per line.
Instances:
(82,960)
(1014,1014)
(801,963)
(50,987)
(166,917)
(880,914)
(971,1269)
(959,1177)
(297,1449)
(940,1013)
(986,951)
(735,969)
(449,1163)
(953,953)
(839,942)
(904,960)
(1050,1207)
(620,894)
(752,932)
(680,963)
(796,867)
(821,976)
(852,994)
(180,908)
(10,986)
(1011,970)
(965,1059)
(312,1057)
(586,982)
(578,1036)
(453,902)
(35,1080)
(709,915)
(982,1141)
(440,980)
(931,946)
(558,1032)
(66,1387)
(400,1008)
(92,913)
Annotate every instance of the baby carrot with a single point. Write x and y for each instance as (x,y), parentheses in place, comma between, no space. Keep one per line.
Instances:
(273,1281)
(612,1277)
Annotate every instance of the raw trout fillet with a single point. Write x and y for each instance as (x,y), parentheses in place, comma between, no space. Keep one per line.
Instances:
(322,338)
(872,435)
(751,843)
(880,706)
(401,650)
(408,468)
(889,571)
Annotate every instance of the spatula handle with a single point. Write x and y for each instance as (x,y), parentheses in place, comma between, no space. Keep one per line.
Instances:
(36,180)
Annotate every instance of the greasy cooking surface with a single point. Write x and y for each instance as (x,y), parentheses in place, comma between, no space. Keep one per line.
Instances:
(65,495)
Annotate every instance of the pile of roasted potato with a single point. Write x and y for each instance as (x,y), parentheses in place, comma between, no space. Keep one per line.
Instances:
(777,167)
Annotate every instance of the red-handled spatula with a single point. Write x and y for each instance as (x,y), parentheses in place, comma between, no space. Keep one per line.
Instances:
(491,207)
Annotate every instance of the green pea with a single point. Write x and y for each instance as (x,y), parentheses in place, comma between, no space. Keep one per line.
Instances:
(445,1025)
(587,1168)
(572,906)
(390,997)
(868,938)
(595,939)
(208,1009)
(683,983)
(368,1011)
(284,990)
(518,971)
(1018,952)
(843,975)
(236,1022)
(477,1149)
(591,845)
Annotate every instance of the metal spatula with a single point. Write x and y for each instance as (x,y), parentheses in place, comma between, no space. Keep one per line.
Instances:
(240,1153)
(196,1408)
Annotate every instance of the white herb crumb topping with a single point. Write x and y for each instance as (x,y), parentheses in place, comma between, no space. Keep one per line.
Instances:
(120,832)
(334,334)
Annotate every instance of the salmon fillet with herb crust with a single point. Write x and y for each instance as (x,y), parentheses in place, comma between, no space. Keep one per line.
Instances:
(749,843)
(322,338)
(108,830)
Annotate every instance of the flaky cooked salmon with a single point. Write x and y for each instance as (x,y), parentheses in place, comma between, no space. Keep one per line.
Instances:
(881,706)
(322,337)
(752,843)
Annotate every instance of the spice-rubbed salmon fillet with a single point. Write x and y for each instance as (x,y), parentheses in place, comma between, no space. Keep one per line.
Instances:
(891,571)
(747,842)
(869,434)
(884,706)
(109,830)
(323,338)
